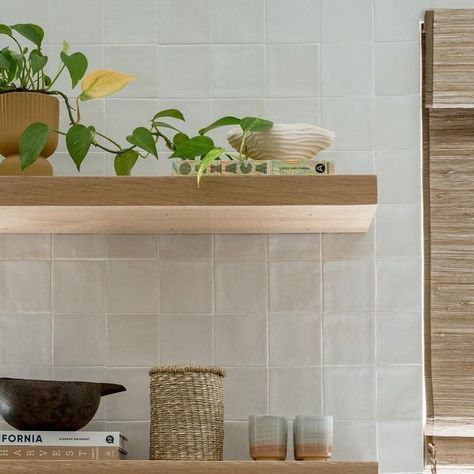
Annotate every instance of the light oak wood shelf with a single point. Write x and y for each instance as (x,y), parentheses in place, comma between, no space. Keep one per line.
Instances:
(241,204)
(175,467)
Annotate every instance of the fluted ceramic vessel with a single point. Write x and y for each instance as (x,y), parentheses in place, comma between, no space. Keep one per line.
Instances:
(299,141)
(18,110)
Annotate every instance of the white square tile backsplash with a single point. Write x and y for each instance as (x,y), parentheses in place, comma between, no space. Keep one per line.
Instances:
(303,323)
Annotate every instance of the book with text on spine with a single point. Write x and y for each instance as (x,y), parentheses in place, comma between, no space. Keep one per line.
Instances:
(62,438)
(62,453)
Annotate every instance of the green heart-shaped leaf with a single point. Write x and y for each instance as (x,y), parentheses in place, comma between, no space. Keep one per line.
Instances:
(142,138)
(5,30)
(76,64)
(254,124)
(174,113)
(124,162)
(30,31)
(37,60)
(195,146)
(208,159)
(78,142)
(32,142)
(179,139)
(222,122)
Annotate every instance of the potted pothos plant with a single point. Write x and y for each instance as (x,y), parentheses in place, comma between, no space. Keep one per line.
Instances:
(29,113)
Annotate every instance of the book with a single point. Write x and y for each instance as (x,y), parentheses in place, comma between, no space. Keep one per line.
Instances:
(249,167)
(62,453)
(62,438)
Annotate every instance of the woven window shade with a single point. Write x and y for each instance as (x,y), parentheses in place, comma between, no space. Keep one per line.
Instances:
(448,136)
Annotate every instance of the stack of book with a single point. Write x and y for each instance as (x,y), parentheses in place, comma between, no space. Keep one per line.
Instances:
(62,445)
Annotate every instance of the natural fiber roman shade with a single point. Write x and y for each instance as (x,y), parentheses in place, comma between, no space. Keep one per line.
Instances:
(448,136)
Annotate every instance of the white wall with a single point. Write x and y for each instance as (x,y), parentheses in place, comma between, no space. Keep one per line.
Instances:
(304,323)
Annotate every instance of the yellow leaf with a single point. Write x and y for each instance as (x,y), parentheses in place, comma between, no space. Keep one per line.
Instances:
(101,83)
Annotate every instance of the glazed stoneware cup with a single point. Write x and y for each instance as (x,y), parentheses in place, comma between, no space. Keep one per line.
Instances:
(313,437)
(268,437)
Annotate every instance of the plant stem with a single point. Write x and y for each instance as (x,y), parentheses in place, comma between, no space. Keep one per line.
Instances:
(108,139)
(66,101)
(61,69)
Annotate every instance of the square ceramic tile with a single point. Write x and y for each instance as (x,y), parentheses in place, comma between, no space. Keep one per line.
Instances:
(79,286)
(184,71)
(240,340)
(399,284)
(93,164)
(25,246)
(295,340)
(238,70)
(183,21)
(346,20)
(293,70)
(292,22)
(238,21)
(134,404)
(399,230)
(118,125)
(351,119)
(400,393)
(394,163)
(295,110)
(138,433)
(295,286)
(296,390)
(132,286)
(72,21)
(349,245)
(350,392)
(348,285)
(79,340)
(27,11)
(346,69)
(236,440)
(26,340)
(128,21)
(142,61)
(78,246)
(132,340)
(245,392)
(399,338)
(397,68)
(185,246)
(398,20)
(397,124)
(240,247)
(395,437)
(132,246)
(351,162)
(186,286)
(26,286)
(186,339)
(355,441)
(349,338)
(295,246)
(241,287)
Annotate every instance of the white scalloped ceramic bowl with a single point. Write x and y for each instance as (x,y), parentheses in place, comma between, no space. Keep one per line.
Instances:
(298,141)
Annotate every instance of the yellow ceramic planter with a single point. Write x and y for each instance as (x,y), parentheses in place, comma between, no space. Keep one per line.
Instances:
(17,111)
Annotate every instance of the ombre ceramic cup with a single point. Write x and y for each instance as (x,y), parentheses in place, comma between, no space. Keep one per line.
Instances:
(313,437)
(268,437)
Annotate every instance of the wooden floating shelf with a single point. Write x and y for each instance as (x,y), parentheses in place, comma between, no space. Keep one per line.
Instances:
(240,204)
(180,467)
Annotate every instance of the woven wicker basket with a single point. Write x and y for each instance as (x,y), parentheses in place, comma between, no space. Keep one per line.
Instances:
(186,413)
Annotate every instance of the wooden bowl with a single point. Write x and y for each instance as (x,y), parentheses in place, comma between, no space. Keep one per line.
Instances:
(51,405)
